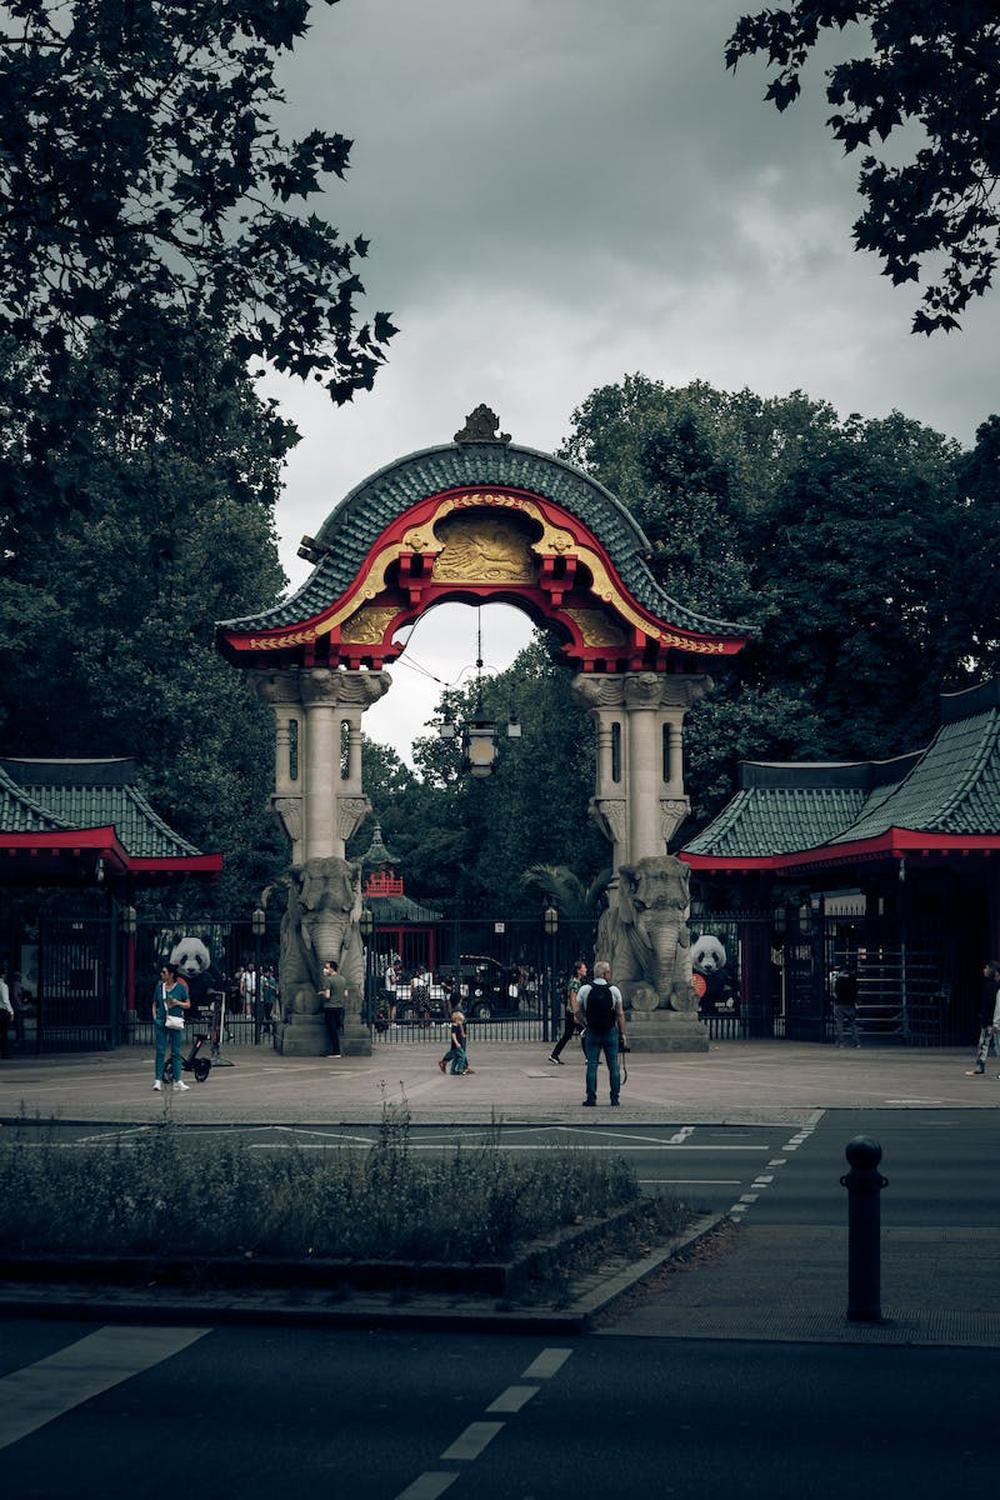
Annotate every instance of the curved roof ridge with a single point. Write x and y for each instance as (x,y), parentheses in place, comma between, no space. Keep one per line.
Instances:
(134,795)
(990,739)
(31,805)
(352,528)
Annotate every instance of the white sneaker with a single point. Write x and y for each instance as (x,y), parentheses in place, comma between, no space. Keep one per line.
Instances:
(158,1085)
(181,1087)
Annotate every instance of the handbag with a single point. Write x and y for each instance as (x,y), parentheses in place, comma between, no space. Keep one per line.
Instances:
(174,1023)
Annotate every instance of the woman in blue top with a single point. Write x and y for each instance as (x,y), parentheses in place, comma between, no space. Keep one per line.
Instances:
(171,996)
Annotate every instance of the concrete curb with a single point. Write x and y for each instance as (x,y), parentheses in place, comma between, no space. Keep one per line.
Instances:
(305,1309)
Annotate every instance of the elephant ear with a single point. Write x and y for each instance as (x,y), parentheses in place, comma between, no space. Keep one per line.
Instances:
(628,884)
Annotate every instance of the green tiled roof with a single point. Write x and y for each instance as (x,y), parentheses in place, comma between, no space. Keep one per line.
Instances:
(389,911)
(353,527)
(20,813)
(377,853)
(86,794)
(952,787)
(778,820)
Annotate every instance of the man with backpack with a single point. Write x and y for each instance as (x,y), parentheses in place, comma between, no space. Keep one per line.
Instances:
(603,1013)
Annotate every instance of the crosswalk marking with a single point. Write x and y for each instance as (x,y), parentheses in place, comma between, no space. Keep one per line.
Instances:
(37,1394)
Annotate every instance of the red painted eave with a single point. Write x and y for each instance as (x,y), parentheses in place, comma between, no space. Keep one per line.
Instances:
(183,864)
(892,844)
(100,842)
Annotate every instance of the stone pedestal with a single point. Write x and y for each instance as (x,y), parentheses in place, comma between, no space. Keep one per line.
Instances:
(302,1036)
(355,1038)
(666,1031)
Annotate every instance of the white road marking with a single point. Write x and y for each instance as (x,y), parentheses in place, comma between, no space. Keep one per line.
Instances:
(778,1161)
(513,1398)
(470,1443)
(548,1363)
(427,1486)
(37,1394)
(762,1181)
(749,1197)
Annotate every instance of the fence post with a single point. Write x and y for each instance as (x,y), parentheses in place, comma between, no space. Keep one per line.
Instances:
(863,1183)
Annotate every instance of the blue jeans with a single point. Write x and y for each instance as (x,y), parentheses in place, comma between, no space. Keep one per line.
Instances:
(594,1043)
(176,1038)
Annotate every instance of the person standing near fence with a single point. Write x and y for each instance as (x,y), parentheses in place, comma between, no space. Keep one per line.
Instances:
(171,997)
(989,1018)
(571,1014)
(6,1013)
(334,993)
(845,1007)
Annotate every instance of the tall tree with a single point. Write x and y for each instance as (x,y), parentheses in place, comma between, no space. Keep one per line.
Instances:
(145,190)
(106,618)
(930,66)
(835,542)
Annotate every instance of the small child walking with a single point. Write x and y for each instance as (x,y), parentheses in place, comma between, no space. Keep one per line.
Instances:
(456,1054)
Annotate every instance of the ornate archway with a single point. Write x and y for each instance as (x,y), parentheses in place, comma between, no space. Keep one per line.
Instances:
(480,519)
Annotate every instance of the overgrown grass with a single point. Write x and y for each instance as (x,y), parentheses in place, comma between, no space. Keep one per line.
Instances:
(162,1195)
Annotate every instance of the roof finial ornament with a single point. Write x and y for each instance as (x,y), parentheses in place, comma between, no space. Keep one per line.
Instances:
(481,427)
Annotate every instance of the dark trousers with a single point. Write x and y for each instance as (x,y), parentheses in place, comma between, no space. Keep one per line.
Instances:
(332,1016)
(569,1030)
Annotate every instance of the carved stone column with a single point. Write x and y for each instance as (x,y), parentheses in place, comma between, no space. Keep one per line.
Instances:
(642,691)
(608,808)
(320,695)
(281,690)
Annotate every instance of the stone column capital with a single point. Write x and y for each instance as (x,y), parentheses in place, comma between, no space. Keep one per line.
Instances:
(663,690)
(597,690)
(280,689)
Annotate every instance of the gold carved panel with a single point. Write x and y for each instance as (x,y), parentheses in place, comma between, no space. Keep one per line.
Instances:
(368,626)
(483,549)
(596,628)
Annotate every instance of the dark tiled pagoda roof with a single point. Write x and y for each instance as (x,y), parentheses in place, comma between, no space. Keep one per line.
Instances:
(40,796)
(394,911)
(377,855)
(952,788)
(353,527)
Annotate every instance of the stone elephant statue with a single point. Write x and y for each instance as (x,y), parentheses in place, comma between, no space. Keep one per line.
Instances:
(644,933)
(321,925)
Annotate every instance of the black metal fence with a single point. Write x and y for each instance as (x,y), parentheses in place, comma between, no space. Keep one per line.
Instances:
(95,981)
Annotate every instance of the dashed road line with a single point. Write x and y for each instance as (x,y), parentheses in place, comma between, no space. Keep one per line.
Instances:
(470,1443)
(763,1180)
(548,1363)
(513,1399)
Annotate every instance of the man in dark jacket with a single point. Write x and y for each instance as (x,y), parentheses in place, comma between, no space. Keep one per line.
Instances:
(989,1018)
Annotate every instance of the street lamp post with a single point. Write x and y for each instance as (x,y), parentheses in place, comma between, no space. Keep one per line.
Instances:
(258,926)
(550,922)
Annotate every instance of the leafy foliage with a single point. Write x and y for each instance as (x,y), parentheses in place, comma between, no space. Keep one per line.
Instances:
(167,526)
(844,545)
(930,65)
(145,190)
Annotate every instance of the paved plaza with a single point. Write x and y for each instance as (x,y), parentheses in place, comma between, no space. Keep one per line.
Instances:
(734,1083)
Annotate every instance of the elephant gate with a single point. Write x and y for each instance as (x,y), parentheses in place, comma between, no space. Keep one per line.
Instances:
(481,520)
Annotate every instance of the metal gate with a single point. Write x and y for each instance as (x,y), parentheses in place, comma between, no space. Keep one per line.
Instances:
(79,973)
(509,976)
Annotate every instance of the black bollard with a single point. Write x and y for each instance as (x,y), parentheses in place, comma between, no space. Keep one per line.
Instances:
(863,1183)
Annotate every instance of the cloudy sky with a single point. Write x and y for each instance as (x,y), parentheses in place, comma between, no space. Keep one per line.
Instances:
(562,191)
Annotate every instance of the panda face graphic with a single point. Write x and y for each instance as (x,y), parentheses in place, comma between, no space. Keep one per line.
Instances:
(191,956)
(708,955)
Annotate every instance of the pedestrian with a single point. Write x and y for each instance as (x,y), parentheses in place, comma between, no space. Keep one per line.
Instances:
(457,1053)
(845,1007)
(171,998)
(334,995)
(603,1015)
(571,1014)
(989,1018)
(6,1014)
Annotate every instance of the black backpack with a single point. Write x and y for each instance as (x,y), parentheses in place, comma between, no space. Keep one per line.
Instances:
(600,1006)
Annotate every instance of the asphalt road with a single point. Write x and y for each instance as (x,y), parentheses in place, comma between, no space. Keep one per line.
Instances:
(386,1416)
